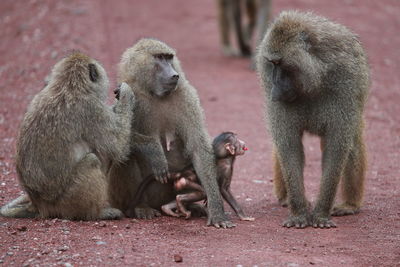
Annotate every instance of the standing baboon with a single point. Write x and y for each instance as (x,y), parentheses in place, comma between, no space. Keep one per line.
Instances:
(167,109)
(316,79)
(67,141)
(258,13)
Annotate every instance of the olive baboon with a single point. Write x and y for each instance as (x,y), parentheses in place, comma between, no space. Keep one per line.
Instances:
(167,109)
(67,141)
(316,79)
(230,16)
(226,147)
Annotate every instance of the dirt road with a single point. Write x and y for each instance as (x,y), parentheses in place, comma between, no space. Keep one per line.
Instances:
(35,34)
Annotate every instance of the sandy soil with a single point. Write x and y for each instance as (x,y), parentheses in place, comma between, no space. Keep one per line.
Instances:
(36,34)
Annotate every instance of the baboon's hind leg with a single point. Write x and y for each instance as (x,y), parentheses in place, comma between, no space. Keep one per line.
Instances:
(353,180)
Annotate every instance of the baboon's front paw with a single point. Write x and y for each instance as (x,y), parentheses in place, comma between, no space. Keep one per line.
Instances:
(111,214)
(299,221)
(320,221)
(345,209)
(146,213)
(220,222)
(125,93)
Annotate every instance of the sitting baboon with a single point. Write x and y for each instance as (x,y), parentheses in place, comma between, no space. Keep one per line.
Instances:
(67,141)
(230,16)
(167,109)
(316,78)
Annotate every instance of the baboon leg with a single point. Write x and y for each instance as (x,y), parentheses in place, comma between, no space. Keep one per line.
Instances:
(279,183)
(168,209)
(228,196)
(251,10)
(187,198)
(291,160)
(86,199)
(224,26)
(353,180)
(334,157)
(237,23)
(264,16)
(21,207)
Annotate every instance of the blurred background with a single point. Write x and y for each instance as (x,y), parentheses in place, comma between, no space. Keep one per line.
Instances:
(35,34)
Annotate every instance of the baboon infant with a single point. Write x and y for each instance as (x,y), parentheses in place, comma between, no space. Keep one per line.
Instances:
(226,147)
(67,140)
(168,110)
(316,78)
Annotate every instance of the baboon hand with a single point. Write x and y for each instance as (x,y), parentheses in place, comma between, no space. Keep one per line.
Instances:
(124,93)
(160,171)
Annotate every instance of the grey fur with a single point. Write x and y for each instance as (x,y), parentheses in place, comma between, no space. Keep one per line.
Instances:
(178,116)
(330,85)
(67,140)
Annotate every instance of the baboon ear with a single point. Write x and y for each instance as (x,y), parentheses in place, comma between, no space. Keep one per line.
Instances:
(93,73)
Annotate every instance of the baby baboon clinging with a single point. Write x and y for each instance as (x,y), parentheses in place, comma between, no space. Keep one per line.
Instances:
(230,16)
(167,109)
(316,79)
(67,140)
(226,147)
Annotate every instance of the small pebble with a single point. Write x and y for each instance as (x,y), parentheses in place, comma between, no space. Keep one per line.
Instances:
(64,248)
(178,258)
(22,228)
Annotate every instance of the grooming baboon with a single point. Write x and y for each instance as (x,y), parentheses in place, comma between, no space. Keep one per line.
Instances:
(226,147)
(316,79)
(230,17)
(168,110)
(67,141)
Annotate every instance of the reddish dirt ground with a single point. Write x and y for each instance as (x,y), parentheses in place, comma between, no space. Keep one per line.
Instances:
(35,34)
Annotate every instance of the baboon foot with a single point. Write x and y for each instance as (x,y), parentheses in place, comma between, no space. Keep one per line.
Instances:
(321,221)
(344,209)
(169,211)
(111,214)
(300,221)
(229,51)
(187,214)
(146,213)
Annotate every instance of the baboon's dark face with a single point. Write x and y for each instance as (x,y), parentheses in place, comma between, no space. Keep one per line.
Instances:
(165,76)
(283,79)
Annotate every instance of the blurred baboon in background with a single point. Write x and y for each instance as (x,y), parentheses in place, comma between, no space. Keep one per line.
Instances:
(316,78)
(230,18)
(168,110)
(67,141)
